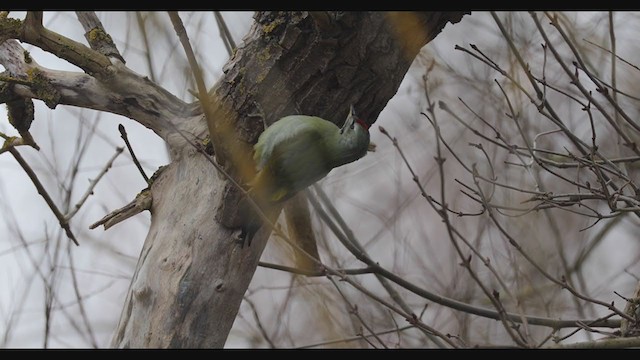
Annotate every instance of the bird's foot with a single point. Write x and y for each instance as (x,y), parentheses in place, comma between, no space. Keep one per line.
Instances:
(245,237)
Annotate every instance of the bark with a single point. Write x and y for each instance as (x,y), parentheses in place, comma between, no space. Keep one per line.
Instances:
(191,275)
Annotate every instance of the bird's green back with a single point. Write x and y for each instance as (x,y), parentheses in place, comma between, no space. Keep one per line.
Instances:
(287,129)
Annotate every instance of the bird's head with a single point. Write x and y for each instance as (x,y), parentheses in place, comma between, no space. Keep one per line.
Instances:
(352,121)
(353,139)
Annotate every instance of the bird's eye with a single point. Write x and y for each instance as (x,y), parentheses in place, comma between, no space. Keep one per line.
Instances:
(352,126)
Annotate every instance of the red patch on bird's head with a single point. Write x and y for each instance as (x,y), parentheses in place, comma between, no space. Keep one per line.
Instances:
(362,123)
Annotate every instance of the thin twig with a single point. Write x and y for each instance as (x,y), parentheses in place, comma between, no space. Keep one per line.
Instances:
(595,81)
(191,57)
(123,133)
(595,241)
(203,96)
(225,34)
(354,310)
(45,195)
(561,282)
(362,256)
(493,296)
(464,307)
(352,240)
(613,54)
(145,39)
(312,273)
(612,343)
(355,338)
(39,271)
(93,183)
(263,332)
(81,306)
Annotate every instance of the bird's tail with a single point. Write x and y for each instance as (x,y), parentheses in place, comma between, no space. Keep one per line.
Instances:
(252,219)
(267,197)
(252,222)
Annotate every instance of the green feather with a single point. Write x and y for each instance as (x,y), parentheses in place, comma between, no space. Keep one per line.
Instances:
(295,152)
(298,150)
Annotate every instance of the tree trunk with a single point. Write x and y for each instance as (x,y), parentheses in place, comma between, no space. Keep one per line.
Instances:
(192,274)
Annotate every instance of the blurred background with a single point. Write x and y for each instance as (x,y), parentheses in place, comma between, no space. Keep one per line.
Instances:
(510,176)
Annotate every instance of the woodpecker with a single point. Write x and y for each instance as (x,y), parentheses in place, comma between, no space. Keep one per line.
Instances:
(295,152)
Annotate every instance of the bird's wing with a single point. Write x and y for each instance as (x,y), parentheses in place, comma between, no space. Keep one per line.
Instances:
(287,132)
(294,156)
(310,149)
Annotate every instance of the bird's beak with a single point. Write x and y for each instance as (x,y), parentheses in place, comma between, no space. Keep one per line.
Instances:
(351,119)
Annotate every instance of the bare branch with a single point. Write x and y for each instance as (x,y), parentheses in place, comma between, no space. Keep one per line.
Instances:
(98,38)
(45,195)
(125,138)
(355,338)
(225,34)
(92,185)
(263,332)
(203,95)
(352,309)
(611,343)
(33,32)
(312,273)
(129,95)
(141,203)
